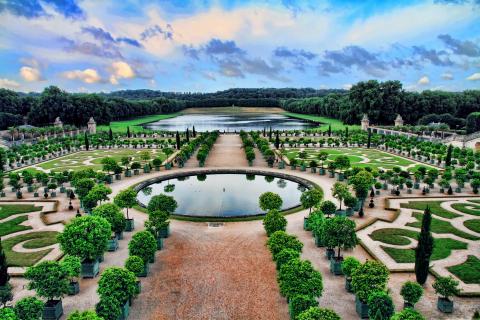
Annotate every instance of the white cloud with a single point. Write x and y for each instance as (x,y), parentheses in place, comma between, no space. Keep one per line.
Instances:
(121,70)
(447,76)
(113,80)
(474,77)
(30,74)
(347,86)
(9,84)
(88,75)
(423,81)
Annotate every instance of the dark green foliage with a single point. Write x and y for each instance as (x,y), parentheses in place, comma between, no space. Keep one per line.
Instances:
(274,221)
(424,248)
(111,212)
(280,240)
(380,306)
(411,292)
(369,277)
(143,244)
(162,202)
(85,315)
(4,277)
(29,308)
(285,255)
(270,201)
(316,313)
(49,279)
(448,158)
(298,277)
(408,314)
(473,122)
(117,283)
(300,303)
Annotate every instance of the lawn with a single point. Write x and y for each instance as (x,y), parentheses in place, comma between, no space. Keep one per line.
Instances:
(473,225)
(468,208)
(394,236)
(7,210)
(135,124)
(32,240)
(441,226)
(469,271)
(334,123)
(13,225)
(434,206)
(442,249)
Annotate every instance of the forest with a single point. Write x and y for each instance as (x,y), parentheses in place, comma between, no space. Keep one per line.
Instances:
(380,100)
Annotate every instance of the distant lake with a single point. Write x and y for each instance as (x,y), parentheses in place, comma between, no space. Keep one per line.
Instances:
(230,122)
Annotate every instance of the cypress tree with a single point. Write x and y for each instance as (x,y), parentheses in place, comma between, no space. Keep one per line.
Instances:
(346,133)
(128,132)
(270,133)
(87,143)
(4,277)
(177,138)
(110,134)
(448,158)
(188,135)
(277,141)
(194,133)
(329,130)
(424,248)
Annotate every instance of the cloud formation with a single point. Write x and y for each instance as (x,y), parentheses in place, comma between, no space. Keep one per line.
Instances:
(423,81)
(88,75)
(30,74)
(8,84)
(467,48)
(474,77)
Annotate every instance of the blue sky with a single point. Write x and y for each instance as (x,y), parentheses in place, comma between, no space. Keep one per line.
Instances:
(209,45)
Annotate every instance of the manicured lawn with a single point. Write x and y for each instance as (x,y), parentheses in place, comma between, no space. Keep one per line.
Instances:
(440,226)
(135,124)
(7,210)
(334,123)
(394,236)
(468,208)
(469,271)
(473,225)
(13,225)
(442,249)
(434,206)
(34,240)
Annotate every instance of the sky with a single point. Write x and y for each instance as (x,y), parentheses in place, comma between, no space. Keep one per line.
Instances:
(210,45)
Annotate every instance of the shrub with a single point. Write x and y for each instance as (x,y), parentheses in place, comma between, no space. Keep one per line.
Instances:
(446,287)
(48,279)
(85,237)
(274,221)
(349,265)
(117,283)
(380,305)
(143,244)
(112,213)
(72,265)
(311,198)
(135,264)
(7,314)
(339,232)
(298,277)
(285,256)
(473,122)
(280,240)
(29,308)
(108,308)
(369,277)
(407,314)
(85,315)
(300,303)
(270,201)
(328,207)
(162,202)
(157,220)
(316,313)
(411,292)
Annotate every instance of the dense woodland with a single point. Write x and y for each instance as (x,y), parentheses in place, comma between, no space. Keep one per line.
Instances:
(380,100)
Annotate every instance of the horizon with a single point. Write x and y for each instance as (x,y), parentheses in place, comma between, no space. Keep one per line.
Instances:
(208,46)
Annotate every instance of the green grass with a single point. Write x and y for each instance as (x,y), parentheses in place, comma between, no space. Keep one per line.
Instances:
(34,240)
(467,208)
(469,271)
(394,236)
(7,210)
(440,226)
(442,249)
(135,124)
(434,206)
(334,123)
(13,225)
(473,225)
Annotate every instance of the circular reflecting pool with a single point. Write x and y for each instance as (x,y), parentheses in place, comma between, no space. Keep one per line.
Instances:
(223,194)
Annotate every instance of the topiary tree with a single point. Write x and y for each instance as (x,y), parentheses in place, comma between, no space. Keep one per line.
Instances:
(162,202)
(112,213)
(349,264)
(339,232)
(424,248)
(126,198)
(108,308)
(29,308)
(117,283)
(285,255)
(446,287)
(408,314)
(157,221)
(83,186)
(85,315)
(270,201)
(311,198)
(380,306)
(274,221)
(99,192)
(298,277)
(135,264)
(280,240)
(49,279)
(300,303)
(85,237)
(411,293)
(369,277)
(362,182)
(143,244)
(7,314)
(316,313)
(72,265)
(328,207)
(340,191)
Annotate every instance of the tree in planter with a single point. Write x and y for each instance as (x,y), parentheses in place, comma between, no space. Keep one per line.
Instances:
(50,281)
(111,212)
(157,223)
(162,202)
(445,287)
(7,314)
(424,248)
(126,198)
(274,221)
(322,157)
(311,198)
(340,191)
(316,313)
(83,187)
(73,267)
(270,201)
(280,240)
(411,293)
(350,201)
(117,283)
(108,308)
(349,264)
(143,244)
(285,255)
(135,264)
(328,207)
(362,182)
(339,232)
(300,303)
(380,305)
(369,277)
(407,314)
(298,277)
(85,315)
(29,308)
(342,163)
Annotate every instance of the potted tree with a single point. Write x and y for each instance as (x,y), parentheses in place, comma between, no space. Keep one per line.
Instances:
(136,265)
(349,264)
(111,212)
(411,293)
(380,305)
(369,277)
(309,199)
(298,277)
(127,198)
(274,221)
(163,203)
(126,162)
(120,285)
(350,201)
(339,232)
(339,192)
(157,162)
(143,244)
(445,287)
(136,168)
(29,308)
(73,267)
(322,157)
(157,224)
(86,237)
(315,223)
(50,280)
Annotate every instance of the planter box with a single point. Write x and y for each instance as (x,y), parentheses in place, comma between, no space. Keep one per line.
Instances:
(336,266)
(321,171)
(458,190)
(73,288)
(35,195)
(281,165)
(409,191)
(146,169)
(53,310)
(118,176)
(90,269)
(125,311)
(136,172)
(293,167)
(313,170)
(377,192)
(164,232)
(168,166)
(63,189)
(331,174)
(128,173)
(119,235)
(349,212)
(152,259)
(329,253)
(416,185)
(53,194)
(129,225)
(318,242)
(340,213)
(112,244)
(157,168)
(445,305)
(305,224)
(340,177)
(2,194)
(159,243)
(30,188)
(348,285)
(385,186)
(108,179)
(361,308)
(144,273)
